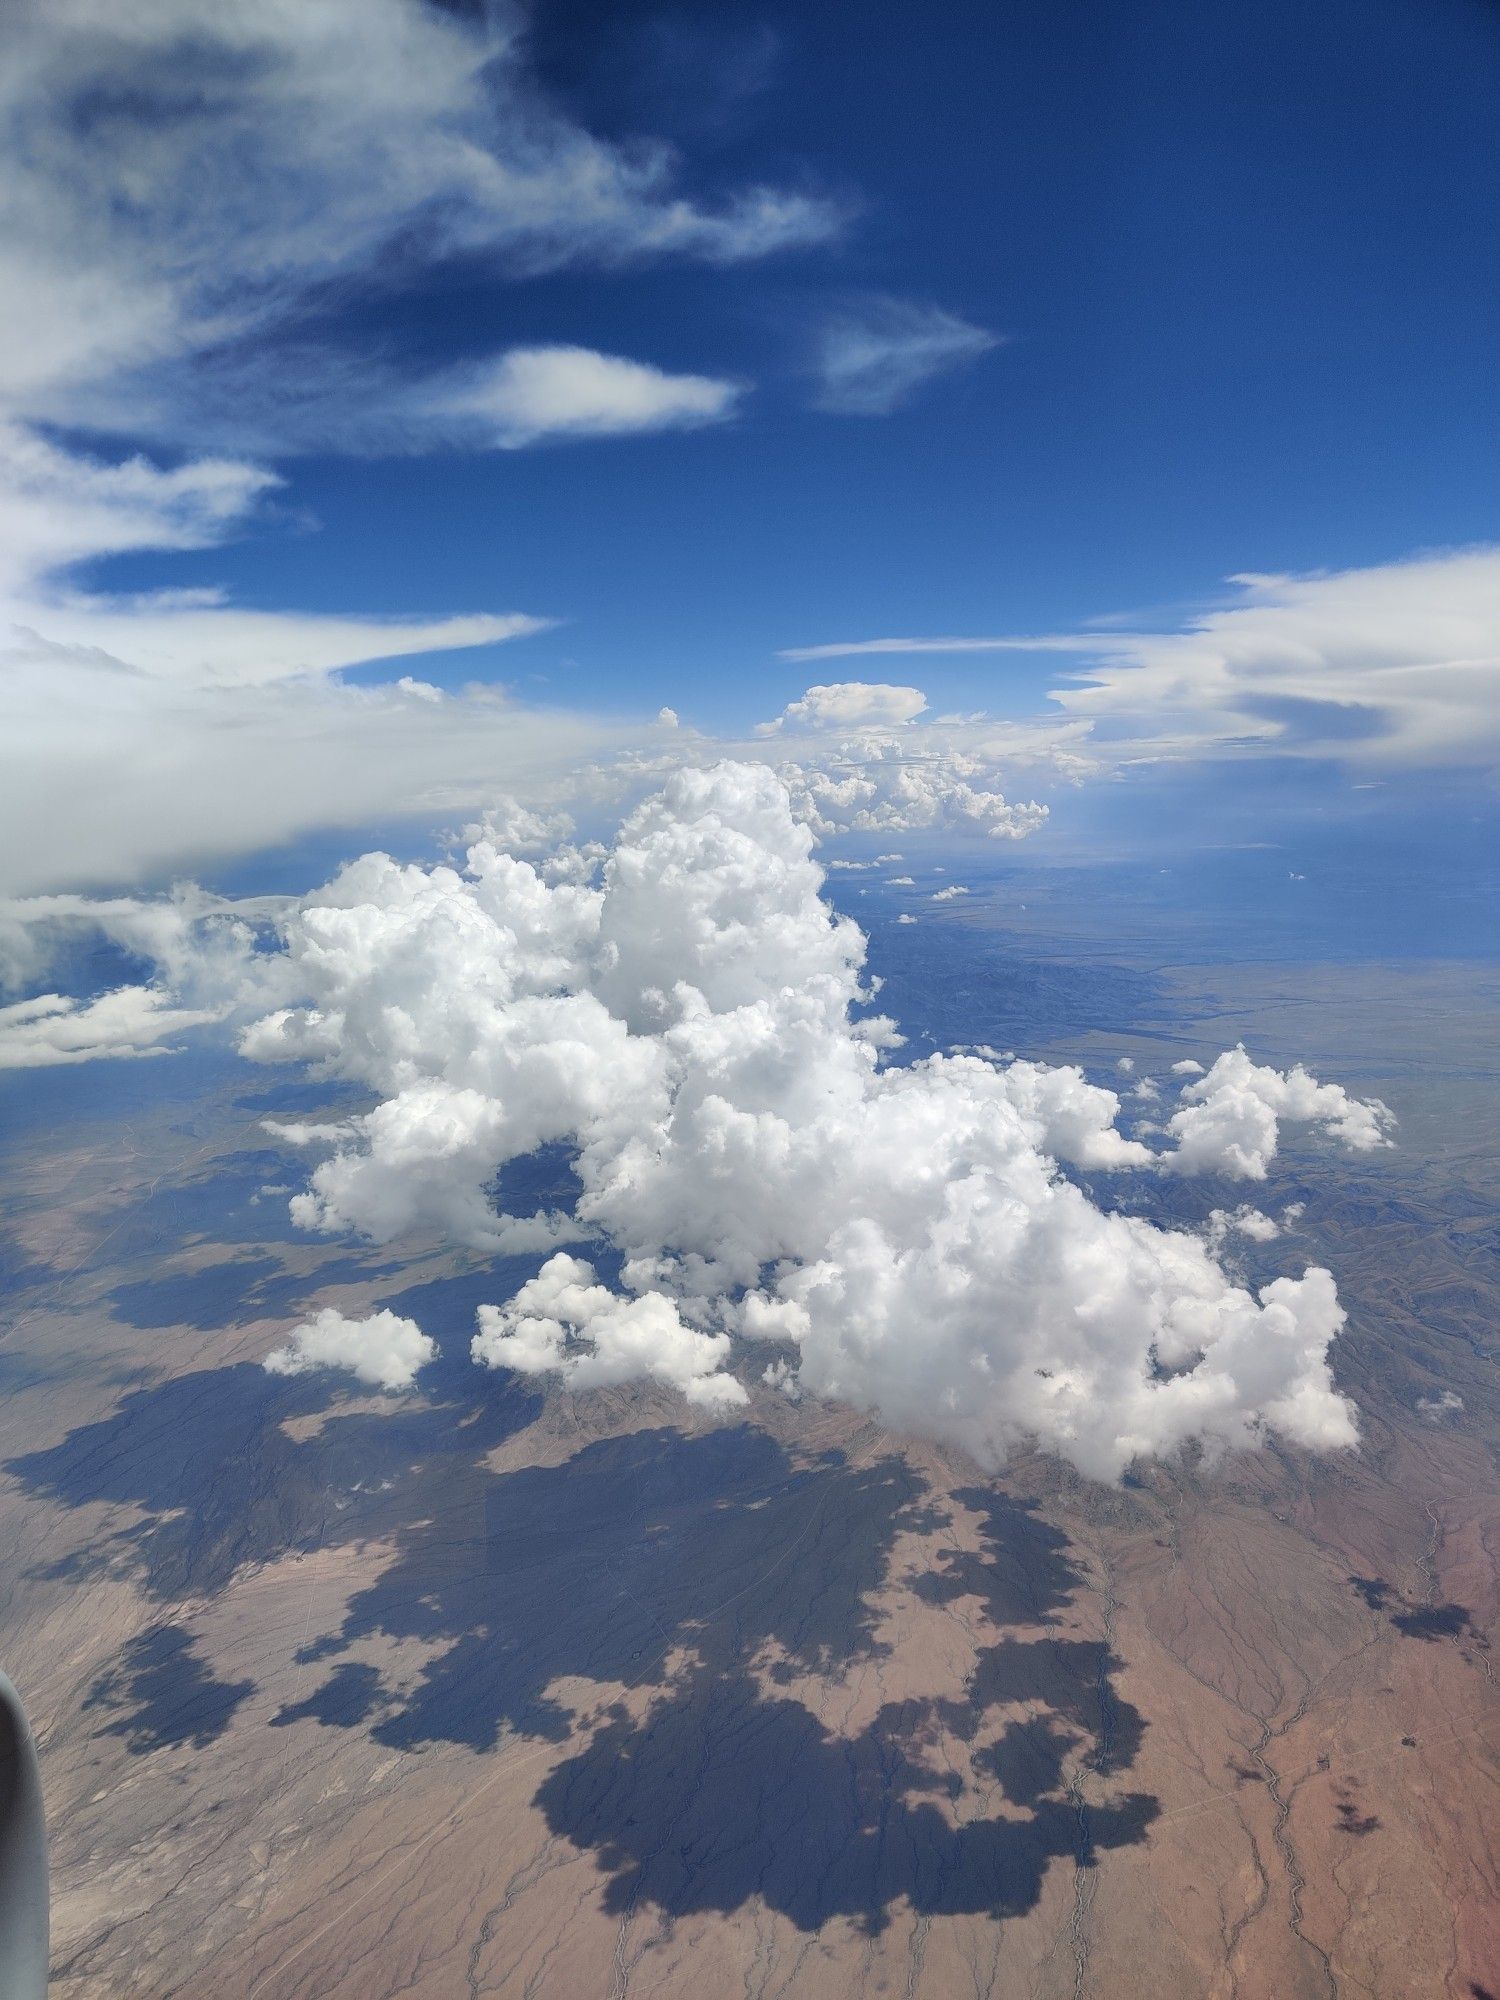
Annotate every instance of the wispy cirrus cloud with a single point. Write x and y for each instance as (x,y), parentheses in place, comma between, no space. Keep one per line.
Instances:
(183,176)
(873,356)
(189,187)
(853,649)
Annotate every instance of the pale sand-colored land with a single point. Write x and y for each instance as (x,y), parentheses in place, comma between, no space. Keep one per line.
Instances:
(1290,1841)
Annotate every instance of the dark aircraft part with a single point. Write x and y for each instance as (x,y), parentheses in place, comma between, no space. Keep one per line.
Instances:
(23,1857)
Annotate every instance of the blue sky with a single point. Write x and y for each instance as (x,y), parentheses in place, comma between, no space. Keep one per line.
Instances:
(1241,262)
(627,359)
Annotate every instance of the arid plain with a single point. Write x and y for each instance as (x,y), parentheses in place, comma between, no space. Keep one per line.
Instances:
(497,1693)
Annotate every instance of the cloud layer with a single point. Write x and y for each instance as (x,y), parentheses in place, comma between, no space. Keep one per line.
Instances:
(185,176)
(1395,665)
(194,196)
(696,1031)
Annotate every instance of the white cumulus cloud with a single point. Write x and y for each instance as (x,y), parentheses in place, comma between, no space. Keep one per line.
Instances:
(563,1322)
(1231,1117)
(850,705)
(693,1026)
(383,1350)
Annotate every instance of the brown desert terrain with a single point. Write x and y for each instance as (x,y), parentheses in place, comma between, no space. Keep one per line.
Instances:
(498,1693)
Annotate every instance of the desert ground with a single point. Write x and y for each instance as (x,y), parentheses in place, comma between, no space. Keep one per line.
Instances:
(497,1692)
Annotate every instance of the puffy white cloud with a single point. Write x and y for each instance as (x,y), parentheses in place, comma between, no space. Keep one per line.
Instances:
(694,1029)
(870,786)
(1226,1223)
(850,705)
(1231,1118)
(574,392)
(1187,1067)
(562,1322)
(1447,1403)
(862,757)
(953,891)
(383,1350)
(872,357)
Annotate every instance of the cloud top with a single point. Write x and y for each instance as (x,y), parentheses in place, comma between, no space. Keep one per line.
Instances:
(850,705)
(1231,1118)
(695,1028)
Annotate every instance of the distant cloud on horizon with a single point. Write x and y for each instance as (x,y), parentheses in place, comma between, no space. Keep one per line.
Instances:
(1396,663)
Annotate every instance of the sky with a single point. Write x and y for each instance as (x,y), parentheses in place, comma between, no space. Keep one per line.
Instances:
(1238,269)
(632,465)
(1047,316)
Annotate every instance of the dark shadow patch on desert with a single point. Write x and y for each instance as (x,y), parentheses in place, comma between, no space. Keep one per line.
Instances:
(1432,1621)
(1021,1574)
(219,1201)
(722,1792)
(545,1179)
(220,1483)
(351,1695)
(233,1291)
(716,1544)
(1027,1759)
(162,1694)
(1352,1821)
(713,1570)
(20,1272)
(722,1795)
(1374,1590)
